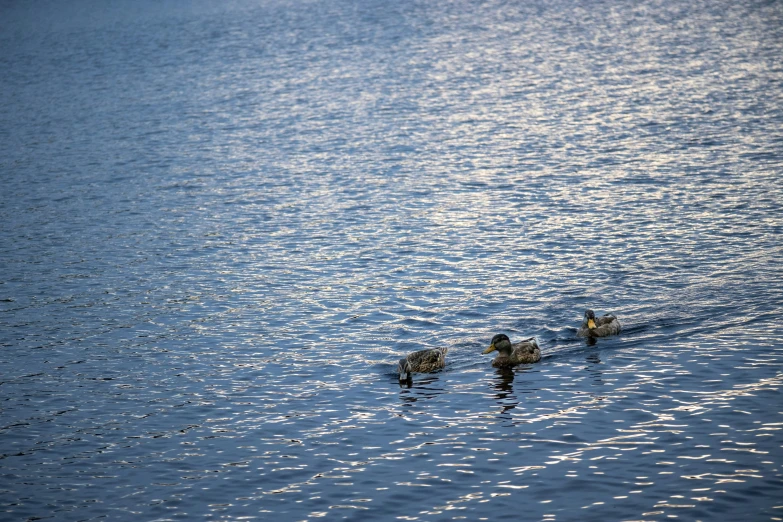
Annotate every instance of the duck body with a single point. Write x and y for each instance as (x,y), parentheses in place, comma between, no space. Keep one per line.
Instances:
(523,352)
(423,361)
(603,326)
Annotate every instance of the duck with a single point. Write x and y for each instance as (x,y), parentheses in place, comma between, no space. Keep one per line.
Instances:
(523,352)
(600,327)
(423,361)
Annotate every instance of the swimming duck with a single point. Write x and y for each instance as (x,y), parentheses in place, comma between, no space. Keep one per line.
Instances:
(601,327)
(423,361)
(524,352)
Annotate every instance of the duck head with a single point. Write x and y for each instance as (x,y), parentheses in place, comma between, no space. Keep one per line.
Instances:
(589,320)
(501,343)
(404,369)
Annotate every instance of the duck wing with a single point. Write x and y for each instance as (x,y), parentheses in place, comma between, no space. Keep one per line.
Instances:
(525,352)
(607,325)
(605,319)
(429,360)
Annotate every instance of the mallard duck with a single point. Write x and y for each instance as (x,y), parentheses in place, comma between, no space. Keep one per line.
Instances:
(601,327)
(524,352)
(423,361)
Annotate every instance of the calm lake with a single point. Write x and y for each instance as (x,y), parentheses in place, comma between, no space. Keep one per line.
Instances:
(222,223)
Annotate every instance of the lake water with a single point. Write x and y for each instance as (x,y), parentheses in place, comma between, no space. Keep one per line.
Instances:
(223,222)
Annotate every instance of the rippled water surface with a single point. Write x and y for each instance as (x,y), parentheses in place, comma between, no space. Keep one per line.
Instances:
(223,223)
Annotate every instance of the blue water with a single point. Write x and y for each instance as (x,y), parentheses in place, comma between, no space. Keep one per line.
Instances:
(223,223)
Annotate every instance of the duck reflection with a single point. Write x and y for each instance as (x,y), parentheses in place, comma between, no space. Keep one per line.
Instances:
(423,389)
(594,368)
(504,381)
(503,384)
(406,383)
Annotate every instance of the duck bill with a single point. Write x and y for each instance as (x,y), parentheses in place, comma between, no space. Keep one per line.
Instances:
(490,349)
(590,324)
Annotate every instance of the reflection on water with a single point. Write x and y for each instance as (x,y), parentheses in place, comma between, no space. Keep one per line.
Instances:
(222,226)
(503,385)
(425,388)
(594,369)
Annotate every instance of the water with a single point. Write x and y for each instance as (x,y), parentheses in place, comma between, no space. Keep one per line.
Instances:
(223,223)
